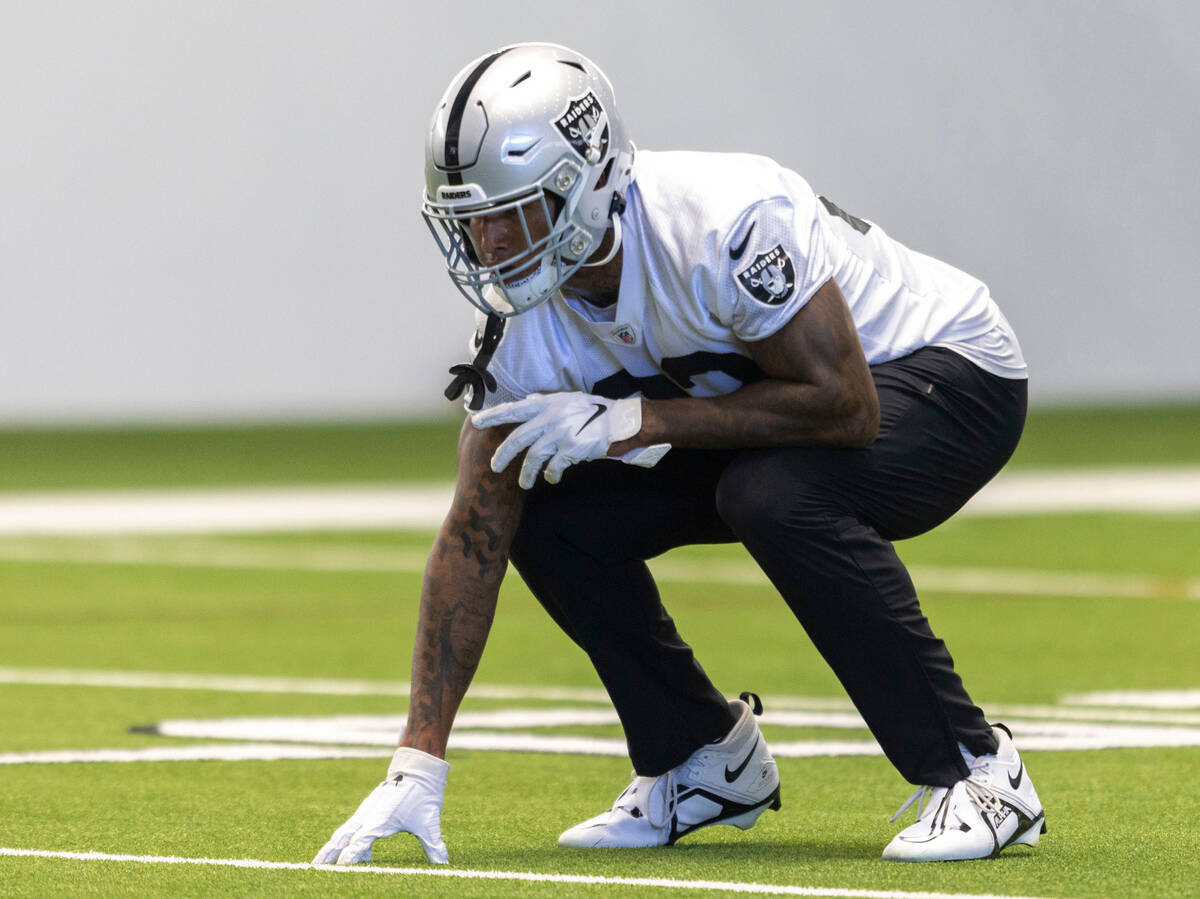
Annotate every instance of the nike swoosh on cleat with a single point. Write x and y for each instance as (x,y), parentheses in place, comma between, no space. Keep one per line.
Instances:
(600,410)
(731,776)
(735,253)
(1015,782)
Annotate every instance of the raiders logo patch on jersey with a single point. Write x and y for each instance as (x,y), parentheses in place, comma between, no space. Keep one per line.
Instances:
(770,278)
(584,124)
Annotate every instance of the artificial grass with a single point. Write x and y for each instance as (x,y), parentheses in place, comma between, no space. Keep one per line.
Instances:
(1118,827)
(1122,822)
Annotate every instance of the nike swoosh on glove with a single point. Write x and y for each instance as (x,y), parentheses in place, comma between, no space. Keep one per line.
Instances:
(409,800)
(559,429)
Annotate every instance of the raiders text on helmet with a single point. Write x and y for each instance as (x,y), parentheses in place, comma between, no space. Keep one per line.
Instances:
(531,123)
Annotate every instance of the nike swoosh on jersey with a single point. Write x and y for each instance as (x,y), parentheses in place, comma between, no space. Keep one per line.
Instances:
(735,253)
(1015,782)
(600,410)
(731,776)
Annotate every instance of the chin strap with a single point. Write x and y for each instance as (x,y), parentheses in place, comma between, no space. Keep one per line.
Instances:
(475,374)
(615,208)
(616,244)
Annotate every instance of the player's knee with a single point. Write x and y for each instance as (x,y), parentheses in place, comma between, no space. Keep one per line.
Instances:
(738,499)
(756,497)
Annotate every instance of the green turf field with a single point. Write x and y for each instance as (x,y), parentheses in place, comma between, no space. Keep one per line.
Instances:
(98,630)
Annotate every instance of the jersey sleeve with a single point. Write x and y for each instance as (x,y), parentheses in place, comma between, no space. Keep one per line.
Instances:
(776,257)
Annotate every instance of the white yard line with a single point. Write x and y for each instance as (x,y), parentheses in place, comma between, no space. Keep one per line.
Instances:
(1152,489)
(762,889)
(497,731)
(221,683)
(1153,699)
(987,581)
(245,683)
(201,553)
(212,553)
(360,507)
(241,510)
(1018,582)
(1149,707)
(1047,728)
(323,739)
(216,752)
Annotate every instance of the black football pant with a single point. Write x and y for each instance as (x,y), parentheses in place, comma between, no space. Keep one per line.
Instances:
(820,524)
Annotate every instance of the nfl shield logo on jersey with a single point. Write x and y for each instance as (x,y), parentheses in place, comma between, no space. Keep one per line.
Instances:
(625,334)
(584,124)
(770,278)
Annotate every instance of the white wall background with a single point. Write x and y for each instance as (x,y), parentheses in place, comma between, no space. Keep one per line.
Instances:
(208,208)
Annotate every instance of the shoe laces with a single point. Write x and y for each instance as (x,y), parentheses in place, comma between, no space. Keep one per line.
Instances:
(655,797)
(975,786)
(920,796)
(980,768)
(983,796)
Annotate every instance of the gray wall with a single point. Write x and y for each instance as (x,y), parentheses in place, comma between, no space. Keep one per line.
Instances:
(209,209)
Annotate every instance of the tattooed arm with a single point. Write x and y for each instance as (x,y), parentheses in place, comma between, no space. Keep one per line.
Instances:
(462,580)
(458,601)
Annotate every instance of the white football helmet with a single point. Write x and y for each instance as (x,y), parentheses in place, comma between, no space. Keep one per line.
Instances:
(530,123)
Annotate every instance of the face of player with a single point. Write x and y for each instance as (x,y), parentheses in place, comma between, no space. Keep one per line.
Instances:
(505,235)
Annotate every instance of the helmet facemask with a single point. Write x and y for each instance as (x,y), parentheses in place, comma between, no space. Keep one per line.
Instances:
(537,270)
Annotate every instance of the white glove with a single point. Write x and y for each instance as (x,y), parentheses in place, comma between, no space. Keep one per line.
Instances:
(410,800)
(560,429)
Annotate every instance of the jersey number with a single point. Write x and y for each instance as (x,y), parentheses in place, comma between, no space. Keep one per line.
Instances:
(677,379)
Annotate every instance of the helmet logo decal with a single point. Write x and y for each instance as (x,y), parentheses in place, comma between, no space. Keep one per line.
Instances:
(584,124)
(770,278)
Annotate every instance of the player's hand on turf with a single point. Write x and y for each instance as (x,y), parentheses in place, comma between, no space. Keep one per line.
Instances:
(408,801)
(559,429)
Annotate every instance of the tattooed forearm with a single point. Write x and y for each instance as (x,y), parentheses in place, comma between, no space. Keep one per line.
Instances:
(484,527)
(449,646)
(458,598)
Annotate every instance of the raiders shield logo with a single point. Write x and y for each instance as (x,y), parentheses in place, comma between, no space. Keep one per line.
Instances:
(584,124)
(770,278)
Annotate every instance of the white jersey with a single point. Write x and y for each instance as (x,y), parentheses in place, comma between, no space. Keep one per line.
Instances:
(719,251)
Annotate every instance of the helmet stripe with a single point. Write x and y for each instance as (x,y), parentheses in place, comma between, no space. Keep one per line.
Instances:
(453,169)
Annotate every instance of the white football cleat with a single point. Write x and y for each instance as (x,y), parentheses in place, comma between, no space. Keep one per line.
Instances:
(729,782)
(994,807)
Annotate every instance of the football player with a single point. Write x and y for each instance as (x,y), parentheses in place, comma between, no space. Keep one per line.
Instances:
(677,348)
